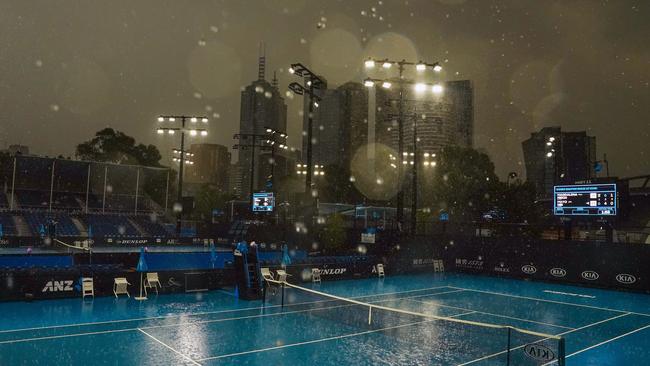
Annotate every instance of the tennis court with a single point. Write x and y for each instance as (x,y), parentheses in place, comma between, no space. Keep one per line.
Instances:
(599,327)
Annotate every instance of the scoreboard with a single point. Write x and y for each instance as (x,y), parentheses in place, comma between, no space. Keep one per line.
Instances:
(263,202)
(585,199)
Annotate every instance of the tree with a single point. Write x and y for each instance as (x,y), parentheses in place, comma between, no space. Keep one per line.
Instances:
(517,200)
(464,183)
(334,234)
(337,186)
(207,199)
(113,146)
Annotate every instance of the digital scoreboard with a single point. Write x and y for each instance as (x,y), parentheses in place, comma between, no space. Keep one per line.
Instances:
(585,199)
(263,202)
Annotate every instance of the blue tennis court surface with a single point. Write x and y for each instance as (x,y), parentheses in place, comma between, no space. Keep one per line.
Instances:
(600,327)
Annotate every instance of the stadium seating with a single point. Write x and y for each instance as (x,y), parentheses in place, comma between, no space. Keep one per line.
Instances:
(64,227)
(33,199)
(7,222)
(151,225)
(109,225)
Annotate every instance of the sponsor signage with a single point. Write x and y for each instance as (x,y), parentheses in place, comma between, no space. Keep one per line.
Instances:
(626,279)
(590,275)
(423,262)
(529,269)
(58,286)
(368,238)
(558,272)
(502,268)
(539,352)
(470,263)
(333,271)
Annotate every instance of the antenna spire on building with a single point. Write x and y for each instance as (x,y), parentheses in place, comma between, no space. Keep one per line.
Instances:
(275,80)
(261,71)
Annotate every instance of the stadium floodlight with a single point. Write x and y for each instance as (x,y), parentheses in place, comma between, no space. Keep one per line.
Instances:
(369,83)
(437,67)
(269,130)
(316,104)
(548,143)
(160,131)
(161,119)
(549,154)
(436,89)
(171,132)
(193,132)
(292,70)
(193,119)
(370,63)
(386,85)
(204,133)
(171,119)
(387,65)
(421,66)
(204,120)
(551,139)
(420,87)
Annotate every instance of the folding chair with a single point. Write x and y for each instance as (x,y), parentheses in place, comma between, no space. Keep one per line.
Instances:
(315,275)
(152,281)
(282,275)
(266,274)
(380,270)
(120,286)
(87,287)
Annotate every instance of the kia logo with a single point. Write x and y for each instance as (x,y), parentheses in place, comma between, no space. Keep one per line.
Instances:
(539,352)
(557,272)
(590,275)
(529,269)
(626,279)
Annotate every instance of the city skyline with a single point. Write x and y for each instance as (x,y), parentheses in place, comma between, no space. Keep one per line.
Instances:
(533,65)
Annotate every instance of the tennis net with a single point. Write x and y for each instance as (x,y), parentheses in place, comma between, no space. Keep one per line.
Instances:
(425,338)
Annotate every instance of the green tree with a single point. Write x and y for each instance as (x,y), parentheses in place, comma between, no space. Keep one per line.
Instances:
(464,183)
(334,234)
(208,198)
(517,200)
(113,146)
(336,186)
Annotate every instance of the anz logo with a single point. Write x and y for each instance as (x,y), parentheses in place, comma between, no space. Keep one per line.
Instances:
(539,352)
(58,286)
(590,275)
(626,279)
(529,269)
(558,272)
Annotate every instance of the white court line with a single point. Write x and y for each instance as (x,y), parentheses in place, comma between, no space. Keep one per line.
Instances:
(483,312)
(65,336)
(193,322)
(543,339)
(323,339)
(602,343)
(552,301)
(193,314)
(170,348)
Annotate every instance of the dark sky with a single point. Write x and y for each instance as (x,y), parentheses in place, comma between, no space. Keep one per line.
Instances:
(69,68)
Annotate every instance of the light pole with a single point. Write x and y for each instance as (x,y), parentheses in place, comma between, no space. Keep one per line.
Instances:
(174,119)
(401,81)
(312,83)
(279,139)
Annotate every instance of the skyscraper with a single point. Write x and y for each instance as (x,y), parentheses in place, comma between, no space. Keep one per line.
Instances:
(553,156)
(211,165)
(261,106)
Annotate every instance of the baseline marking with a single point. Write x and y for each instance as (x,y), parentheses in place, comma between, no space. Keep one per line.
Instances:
(486,313)
(553,301)
(170,348)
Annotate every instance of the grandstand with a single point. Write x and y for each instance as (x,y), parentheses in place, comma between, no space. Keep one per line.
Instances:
(85,199)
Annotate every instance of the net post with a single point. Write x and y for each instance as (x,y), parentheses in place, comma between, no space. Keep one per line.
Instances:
(370,315)
(264,294)
(282,303)
(561,353)
(508,355)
